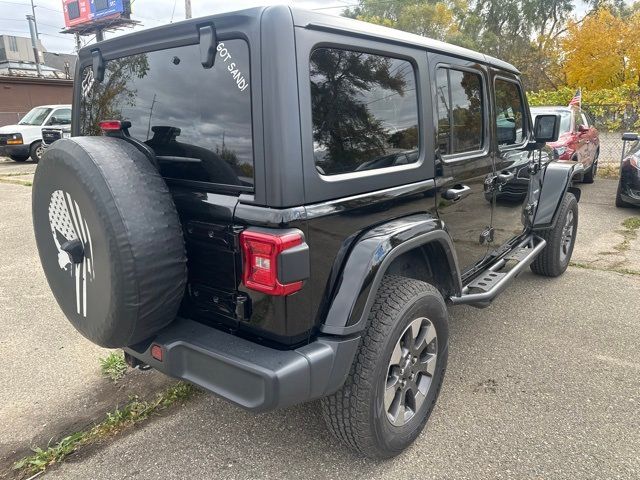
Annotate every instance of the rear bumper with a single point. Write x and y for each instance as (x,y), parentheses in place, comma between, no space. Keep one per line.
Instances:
(253,376)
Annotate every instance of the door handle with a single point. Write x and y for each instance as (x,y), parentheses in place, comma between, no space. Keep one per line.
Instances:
(505,177)
(456,193)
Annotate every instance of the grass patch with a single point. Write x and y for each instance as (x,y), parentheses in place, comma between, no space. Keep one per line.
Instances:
(16,181)
(113,366)
(624,271)
(133,413)
(631,225)
(609,171)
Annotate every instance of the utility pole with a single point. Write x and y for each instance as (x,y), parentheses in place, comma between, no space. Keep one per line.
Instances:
(34,42)
(187,9)
(33,12)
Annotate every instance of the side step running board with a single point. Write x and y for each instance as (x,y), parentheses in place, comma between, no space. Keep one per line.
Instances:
(492,282)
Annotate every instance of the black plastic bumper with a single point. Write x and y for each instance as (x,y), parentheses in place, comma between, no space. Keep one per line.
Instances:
(19,150)
(253,376)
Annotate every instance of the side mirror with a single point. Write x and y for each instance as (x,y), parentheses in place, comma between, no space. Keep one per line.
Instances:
(630,137)
(547,128)
(583,129)
(53,121)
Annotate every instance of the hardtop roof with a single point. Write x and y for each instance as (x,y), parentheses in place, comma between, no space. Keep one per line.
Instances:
(310,19)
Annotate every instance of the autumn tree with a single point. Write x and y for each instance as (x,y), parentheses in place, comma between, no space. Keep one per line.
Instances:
(602,50)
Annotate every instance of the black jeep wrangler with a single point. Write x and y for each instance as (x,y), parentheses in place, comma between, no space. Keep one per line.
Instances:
(279,205)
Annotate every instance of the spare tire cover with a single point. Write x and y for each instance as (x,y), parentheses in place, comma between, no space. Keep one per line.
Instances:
(125,276)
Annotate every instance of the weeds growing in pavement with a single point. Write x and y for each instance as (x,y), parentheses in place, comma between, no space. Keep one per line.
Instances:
(113,366)
(134,412)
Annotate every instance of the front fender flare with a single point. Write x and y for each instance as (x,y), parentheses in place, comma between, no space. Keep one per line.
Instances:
(368,261)
(558,178)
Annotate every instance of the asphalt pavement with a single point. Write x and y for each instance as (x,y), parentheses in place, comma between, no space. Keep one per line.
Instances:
(545,383)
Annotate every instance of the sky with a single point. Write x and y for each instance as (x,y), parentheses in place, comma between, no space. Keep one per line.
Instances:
(151,13)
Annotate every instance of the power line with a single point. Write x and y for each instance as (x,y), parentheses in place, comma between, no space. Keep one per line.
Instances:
(29,5)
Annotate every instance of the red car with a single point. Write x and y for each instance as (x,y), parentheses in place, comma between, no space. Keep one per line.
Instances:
(579,140)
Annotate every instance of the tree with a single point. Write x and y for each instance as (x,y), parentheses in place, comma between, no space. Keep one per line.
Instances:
(602,51)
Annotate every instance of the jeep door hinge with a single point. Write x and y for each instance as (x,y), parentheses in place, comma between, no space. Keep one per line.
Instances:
(490,183)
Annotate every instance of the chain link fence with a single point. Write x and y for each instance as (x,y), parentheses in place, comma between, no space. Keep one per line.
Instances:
(612,121)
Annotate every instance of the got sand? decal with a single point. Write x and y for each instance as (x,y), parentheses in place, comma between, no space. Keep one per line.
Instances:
(232,67)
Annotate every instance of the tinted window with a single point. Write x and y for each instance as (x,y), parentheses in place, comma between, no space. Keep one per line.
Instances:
(197,120)
(460,111)
(365,111)
(509,113)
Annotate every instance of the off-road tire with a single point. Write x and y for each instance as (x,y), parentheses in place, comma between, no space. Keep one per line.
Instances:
(549,262)
(355,414)
(36,151)
(590,176)
(19,158)
(620,203)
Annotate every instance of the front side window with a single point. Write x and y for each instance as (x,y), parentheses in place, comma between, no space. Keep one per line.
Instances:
(364,109)
(197,120)
(509,113)
(61,116)
(460,111)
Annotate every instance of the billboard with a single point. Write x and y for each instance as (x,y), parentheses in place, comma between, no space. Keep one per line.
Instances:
(80,12)
(76,12)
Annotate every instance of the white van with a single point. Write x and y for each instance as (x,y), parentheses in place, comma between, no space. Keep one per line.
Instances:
(24,140)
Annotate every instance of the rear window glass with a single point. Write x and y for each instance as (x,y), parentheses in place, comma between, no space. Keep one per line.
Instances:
(197,120)
(365,111)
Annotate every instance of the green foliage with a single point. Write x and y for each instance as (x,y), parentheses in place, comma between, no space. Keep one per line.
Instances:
(134,412)
(113,366)
(613,109)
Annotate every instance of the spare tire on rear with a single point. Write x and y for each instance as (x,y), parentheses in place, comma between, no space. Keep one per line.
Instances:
(109,239)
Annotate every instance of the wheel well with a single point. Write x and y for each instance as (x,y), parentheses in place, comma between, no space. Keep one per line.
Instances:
(429,263)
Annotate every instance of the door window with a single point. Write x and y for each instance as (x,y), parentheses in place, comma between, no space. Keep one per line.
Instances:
(61,117)
(510,124)
(364,111)
(460,111)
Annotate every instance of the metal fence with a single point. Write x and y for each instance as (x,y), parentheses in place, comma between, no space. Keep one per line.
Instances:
(612,121)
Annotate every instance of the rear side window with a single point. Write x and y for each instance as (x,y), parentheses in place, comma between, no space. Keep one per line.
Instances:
(365,111)
(509,113)
(460,111)
(197,120)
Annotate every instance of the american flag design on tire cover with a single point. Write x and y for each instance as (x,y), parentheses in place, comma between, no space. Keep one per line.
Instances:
(67,223)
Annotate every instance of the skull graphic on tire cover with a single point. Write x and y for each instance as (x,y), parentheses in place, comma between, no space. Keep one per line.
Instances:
(67,225)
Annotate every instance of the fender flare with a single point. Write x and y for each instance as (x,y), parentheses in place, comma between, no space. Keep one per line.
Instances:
(368,262)
(558,179)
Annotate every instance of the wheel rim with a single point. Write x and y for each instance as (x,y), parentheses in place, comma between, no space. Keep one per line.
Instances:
(410,371)
(567,236)
(39,151)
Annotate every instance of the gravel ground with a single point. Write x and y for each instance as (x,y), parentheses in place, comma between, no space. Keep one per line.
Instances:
(545,383)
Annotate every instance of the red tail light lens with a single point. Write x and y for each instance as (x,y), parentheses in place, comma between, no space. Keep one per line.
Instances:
(110,125)
(260,255)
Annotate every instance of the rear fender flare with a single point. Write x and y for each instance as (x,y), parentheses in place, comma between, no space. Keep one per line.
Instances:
(559,177)
(368,261)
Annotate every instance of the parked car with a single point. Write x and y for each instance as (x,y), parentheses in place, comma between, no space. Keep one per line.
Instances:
(196,231)
(24,140)
(579,140)
(53,133)
(628,192)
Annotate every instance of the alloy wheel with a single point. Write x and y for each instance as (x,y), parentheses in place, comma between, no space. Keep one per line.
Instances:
(566,241)
(410,371)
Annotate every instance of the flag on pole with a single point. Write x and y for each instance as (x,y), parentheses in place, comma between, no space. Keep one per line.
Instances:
(576,101)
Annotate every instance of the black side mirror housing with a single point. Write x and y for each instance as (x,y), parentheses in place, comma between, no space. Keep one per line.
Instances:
(547,128)
(630,137)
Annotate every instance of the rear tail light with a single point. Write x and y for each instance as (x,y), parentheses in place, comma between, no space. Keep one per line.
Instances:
(110,125)
(261,252)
